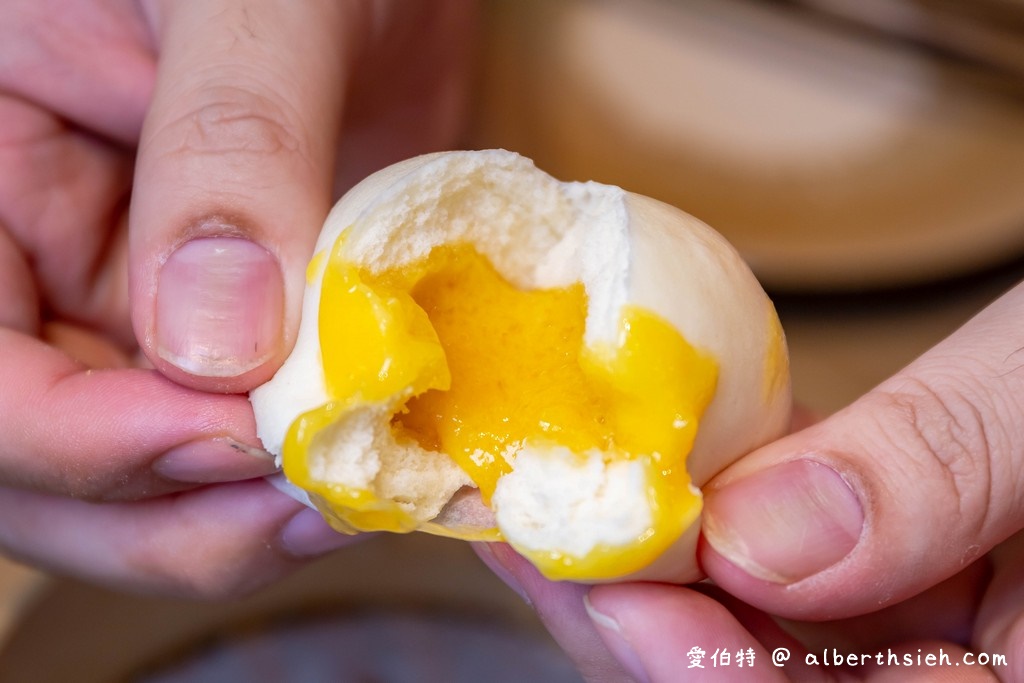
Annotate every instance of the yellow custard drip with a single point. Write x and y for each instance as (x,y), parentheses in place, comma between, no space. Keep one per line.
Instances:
(514,360)
(475,367)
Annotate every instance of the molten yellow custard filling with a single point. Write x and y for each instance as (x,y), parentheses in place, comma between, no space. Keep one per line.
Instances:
(476,367)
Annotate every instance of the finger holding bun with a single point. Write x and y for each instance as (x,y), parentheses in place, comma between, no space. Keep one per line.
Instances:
(491,354)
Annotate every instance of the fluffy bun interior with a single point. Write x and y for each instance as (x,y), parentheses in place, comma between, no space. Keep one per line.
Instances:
(536,231)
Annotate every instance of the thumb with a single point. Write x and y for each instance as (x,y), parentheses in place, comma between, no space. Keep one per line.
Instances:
(233,181)
(888,497)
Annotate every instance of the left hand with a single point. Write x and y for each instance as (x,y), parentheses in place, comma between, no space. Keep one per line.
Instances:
(228,126)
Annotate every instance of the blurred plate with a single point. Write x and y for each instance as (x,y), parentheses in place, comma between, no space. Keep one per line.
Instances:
(831,156)
(989,31)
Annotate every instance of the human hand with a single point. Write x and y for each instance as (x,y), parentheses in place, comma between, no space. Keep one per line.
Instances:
(657,632)
(888,499)
(226,126)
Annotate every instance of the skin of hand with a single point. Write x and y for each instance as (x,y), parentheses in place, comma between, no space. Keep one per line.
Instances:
(896,522)
(167,167)
(646,631)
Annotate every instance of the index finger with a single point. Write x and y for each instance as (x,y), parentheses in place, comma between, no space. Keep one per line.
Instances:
(114,434)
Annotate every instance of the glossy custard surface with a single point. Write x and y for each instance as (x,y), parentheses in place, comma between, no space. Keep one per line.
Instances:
(474,368)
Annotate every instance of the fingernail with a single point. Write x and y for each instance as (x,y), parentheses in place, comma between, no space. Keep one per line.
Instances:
(786,523)
(307,534)
(214,460)
(219,307)
(611,634)
(488,552)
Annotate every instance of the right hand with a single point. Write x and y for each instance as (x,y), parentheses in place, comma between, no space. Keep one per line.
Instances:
(898,519)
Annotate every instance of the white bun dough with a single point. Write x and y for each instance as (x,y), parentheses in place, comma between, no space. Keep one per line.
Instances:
(542,233)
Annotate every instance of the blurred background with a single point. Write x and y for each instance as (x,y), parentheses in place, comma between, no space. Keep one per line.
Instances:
(865,156)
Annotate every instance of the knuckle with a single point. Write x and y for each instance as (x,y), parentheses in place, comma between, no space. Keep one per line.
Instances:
(943,423)
(82,482)
(233,121)
(191,570)
(87,481)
